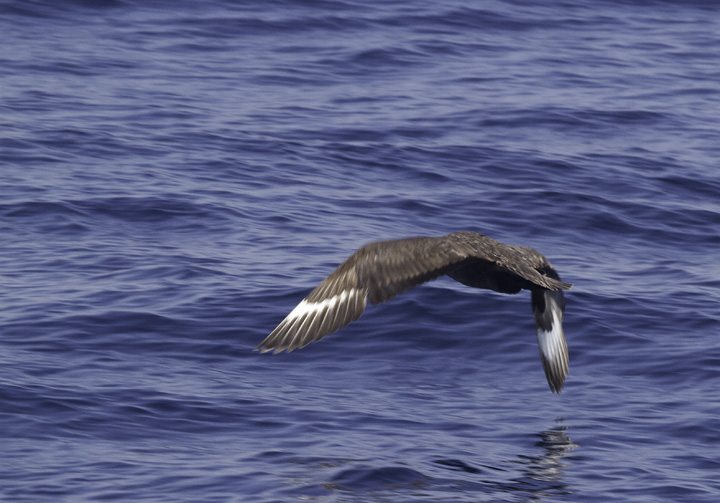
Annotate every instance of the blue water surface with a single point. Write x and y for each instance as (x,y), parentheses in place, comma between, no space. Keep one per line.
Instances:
(176,176)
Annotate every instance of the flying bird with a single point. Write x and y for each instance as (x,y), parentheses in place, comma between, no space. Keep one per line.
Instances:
(379,271)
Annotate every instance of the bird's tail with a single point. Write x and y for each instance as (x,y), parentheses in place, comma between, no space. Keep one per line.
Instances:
(548,308)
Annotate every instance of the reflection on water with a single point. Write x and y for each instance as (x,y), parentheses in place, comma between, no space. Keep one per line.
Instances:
(537,476)
(543,473)
(526,477)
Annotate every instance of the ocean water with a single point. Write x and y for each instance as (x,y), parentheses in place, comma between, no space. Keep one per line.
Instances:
(176,176)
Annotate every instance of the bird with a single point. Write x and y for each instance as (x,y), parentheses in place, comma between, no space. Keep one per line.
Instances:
(381,270)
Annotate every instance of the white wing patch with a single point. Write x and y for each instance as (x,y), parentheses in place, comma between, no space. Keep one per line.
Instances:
(311,321)
(551,341)
(553,350)
(306,307)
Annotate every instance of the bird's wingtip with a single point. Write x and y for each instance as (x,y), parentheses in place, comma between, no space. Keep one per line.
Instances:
(551,339)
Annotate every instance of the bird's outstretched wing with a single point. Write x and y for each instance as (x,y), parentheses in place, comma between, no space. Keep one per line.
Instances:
(379,271)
